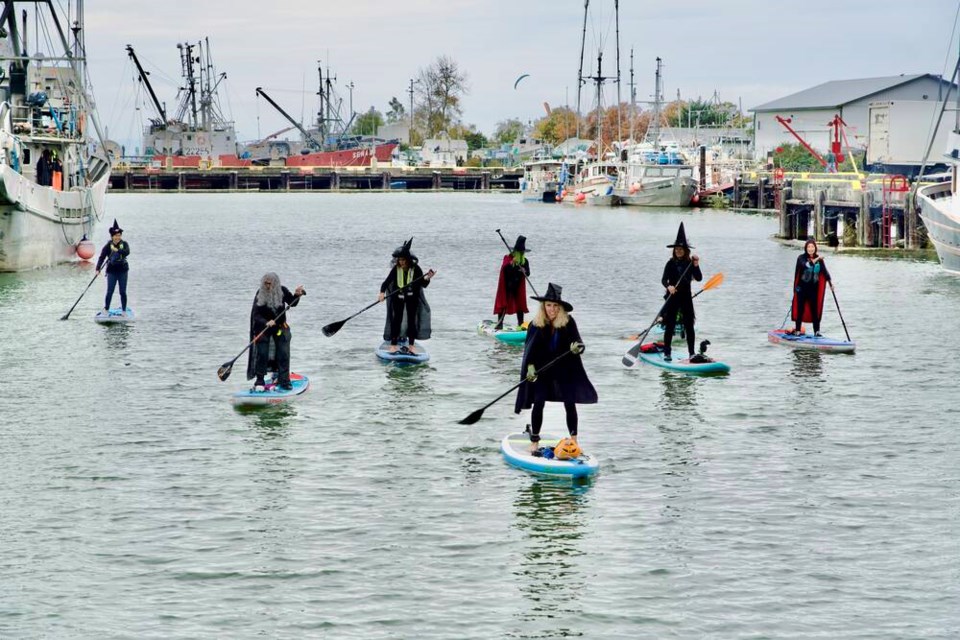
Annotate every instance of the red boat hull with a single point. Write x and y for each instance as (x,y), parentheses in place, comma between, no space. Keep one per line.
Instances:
(360,157)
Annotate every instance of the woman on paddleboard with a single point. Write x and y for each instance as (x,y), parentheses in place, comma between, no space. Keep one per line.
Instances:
(680,270)
(407,279)
(553,332)
(114,254)
(810,280)
(512,286)
(269,313)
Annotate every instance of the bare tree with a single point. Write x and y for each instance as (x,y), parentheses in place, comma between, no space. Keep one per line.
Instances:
(439,89)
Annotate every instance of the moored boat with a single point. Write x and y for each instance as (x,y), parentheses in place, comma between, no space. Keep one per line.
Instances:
(53,177)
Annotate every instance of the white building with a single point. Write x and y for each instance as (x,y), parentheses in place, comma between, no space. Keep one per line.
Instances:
(444,152)
(810,111)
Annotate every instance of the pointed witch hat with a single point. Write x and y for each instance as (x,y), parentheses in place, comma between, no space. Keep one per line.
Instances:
(553,294)
(681,240)
(115,228)
(404,251)
(520,245)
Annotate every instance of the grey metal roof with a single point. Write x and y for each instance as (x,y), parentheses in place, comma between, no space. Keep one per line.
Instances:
(838,92)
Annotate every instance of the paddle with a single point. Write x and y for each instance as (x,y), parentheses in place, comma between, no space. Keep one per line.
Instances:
(712,283)
(840,314)
(227,367)
(67,314)
(510,249)
(333,327)
(476,415)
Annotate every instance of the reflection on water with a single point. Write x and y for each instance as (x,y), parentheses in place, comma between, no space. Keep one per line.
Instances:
(117,336)
(271,421)
(807,363)
(10,287)
(679,394)
(552,514)
(406,380)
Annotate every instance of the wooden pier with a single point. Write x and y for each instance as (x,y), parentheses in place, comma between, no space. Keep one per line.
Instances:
(842,210)
(142,179)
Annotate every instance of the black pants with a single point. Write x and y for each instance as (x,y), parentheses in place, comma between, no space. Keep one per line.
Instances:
(804,299)
(536,419)
(504,314)
(411,303)
(281,345)
(685,307)
(113,279)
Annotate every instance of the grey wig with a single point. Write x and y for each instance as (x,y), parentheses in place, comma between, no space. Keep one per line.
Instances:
(272,297)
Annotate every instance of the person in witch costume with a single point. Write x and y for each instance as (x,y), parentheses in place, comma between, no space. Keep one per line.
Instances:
(114,254)
(553,332)
(512,287)
(680,270)
(268,312)
(407,278)
(810,280)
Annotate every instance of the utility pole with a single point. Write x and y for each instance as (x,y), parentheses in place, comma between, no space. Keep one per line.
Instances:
(410,133)
(350,87)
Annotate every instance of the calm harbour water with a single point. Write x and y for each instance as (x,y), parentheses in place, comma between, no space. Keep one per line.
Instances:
(803,496)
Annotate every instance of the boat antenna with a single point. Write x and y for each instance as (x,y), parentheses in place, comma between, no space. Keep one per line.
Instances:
(616,8)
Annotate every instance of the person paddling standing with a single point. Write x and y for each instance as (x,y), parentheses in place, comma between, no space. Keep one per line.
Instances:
(512,286)
(268,314)
(114,254)
(551,333)
(407,279)
(679,271)
(810,277)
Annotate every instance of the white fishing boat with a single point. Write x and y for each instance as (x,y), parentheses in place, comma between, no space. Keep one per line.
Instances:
(53,172)
(541,180)
(656,172)
(940,210)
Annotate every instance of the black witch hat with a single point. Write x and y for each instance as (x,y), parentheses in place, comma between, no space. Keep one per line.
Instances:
(115,228)
(404,251)
(520,245)
(681,240)
(553,295)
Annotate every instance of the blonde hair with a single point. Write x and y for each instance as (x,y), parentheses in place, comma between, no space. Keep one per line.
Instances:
(540,320)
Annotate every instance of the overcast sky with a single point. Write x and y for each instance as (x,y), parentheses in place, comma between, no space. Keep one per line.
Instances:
(749,50)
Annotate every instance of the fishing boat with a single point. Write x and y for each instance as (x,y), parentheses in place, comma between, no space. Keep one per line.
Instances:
(940,210)
(541,180)
(53,168)
(656,172)
(197,133)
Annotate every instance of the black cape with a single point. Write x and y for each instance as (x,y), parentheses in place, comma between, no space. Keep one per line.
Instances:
(566,381)
(423,309)
(258,322)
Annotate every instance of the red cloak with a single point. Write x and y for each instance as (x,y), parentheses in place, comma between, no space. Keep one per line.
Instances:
(510,301)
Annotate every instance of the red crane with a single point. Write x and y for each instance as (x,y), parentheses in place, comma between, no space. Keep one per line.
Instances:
(836,146)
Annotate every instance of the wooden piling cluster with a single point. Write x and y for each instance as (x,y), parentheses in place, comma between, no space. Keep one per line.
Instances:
(840,210)
(317,179)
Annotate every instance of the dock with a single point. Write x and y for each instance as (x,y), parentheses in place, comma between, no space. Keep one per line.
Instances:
(282,179)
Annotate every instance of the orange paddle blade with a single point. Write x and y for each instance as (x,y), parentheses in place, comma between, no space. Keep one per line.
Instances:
(715,281)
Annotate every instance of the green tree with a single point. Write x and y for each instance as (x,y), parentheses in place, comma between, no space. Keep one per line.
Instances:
(794,156)
(367,123)
(556,127)
(475,140)
(704,113)
(397,111)
(508,131)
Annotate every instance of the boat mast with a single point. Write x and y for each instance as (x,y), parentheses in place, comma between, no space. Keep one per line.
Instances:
(306,134)
(580,81)
(599,80)
(657,97)
(616,8)
(943,106)
(633,98)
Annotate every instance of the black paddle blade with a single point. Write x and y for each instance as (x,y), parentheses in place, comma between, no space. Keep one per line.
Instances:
(631,357)
(473,417)
(332,328)
(224,371)
(65,316)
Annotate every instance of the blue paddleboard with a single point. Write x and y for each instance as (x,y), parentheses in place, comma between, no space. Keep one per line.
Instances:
(115,316)
(654,356)
(271,394)
(515,448)
(402,355)
(810,341)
